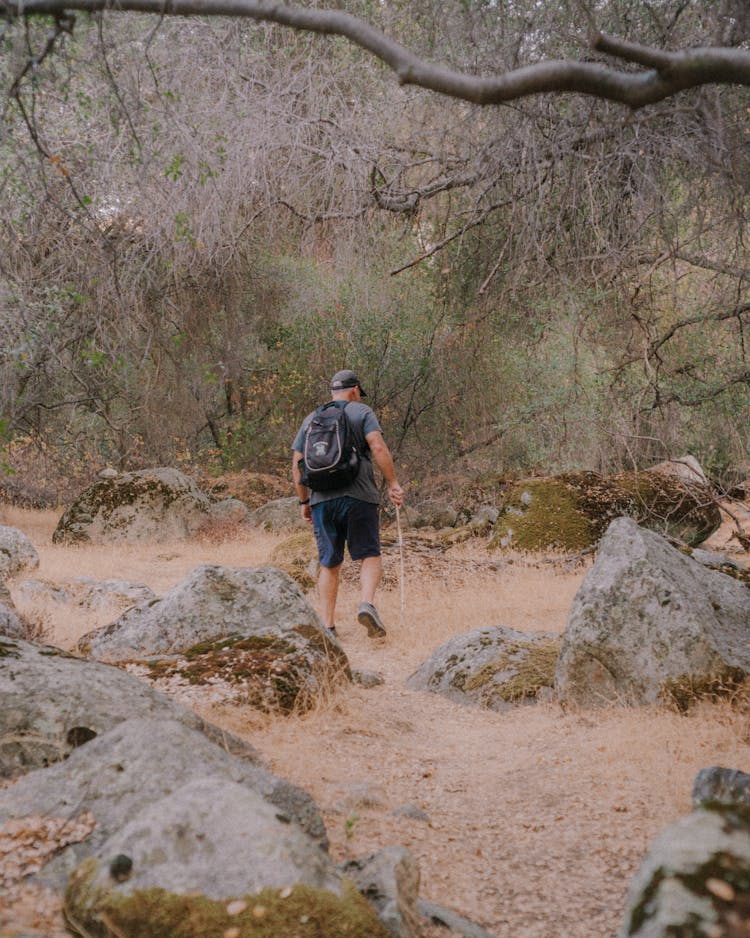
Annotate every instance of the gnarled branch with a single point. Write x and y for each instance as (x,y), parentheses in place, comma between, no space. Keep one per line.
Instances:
(666,72)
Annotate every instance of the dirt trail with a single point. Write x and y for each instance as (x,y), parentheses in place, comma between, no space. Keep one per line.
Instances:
(538,817)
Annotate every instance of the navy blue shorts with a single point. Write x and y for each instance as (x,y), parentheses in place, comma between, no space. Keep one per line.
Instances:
(349,521)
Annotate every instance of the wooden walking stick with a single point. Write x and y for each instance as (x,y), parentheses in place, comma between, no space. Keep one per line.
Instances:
(401,563)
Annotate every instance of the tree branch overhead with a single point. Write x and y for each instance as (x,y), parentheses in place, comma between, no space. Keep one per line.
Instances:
(667,73)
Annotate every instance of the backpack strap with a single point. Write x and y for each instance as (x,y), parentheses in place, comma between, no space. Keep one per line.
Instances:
(366,447)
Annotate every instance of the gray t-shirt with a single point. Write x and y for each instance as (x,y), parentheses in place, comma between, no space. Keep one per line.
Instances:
(363,421)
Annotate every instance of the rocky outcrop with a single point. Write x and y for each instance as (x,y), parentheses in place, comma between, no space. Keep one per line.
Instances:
(695,879)
(572,511)
(492,667)
(150,505)
(648,622)
(250,629)
(17,554)
(210,603)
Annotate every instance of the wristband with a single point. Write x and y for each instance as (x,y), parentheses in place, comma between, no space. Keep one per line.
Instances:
(305,502)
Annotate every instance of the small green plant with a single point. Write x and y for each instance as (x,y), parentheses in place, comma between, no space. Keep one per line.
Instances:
(350,824)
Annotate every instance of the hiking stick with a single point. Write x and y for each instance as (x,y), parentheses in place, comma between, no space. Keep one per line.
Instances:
(401,562)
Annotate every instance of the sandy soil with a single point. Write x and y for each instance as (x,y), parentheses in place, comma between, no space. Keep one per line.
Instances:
(535,819)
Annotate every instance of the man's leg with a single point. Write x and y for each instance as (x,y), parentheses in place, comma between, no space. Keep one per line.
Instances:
(329,525)
(370,575)
(364,544)
(328,588)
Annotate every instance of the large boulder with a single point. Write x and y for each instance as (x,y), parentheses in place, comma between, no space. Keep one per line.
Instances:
(140,763)
(210,603)
(149,505)
(251,628)
(217,836)
(572,511)
(649,622)
(53,702)
(687,468)
(695,880)
(492,667)
(17,553)
(280,514)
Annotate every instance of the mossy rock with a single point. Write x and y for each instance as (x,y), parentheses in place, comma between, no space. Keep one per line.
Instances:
(570,512)
(670,506)
(295,912)
(695,879)
(152,504)
(274,675)
(491,667)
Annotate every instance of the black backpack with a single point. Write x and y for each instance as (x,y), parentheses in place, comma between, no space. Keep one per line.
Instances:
(330,459)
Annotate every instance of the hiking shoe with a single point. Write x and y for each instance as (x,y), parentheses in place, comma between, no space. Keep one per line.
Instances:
(368,616)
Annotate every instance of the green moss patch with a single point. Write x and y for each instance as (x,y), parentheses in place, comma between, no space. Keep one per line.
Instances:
(572,511)
(533,665)
(298,912)
(9,650)
(535,670)
(271,669)
(545,514)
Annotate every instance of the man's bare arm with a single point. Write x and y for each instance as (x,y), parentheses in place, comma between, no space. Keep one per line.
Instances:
(303,493)
(384,461)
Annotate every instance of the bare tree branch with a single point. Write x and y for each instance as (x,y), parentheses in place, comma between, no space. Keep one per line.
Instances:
(667,72)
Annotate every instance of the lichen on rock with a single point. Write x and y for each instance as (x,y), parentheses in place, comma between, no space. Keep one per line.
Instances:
(297,910)
(493,667)
(572,511)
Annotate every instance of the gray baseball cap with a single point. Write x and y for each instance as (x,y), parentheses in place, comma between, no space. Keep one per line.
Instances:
(346,379)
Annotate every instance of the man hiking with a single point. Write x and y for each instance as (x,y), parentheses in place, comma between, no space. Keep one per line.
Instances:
(332,471)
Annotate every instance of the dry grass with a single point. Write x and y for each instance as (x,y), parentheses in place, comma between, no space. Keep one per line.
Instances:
(538,817)
(160,566)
